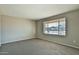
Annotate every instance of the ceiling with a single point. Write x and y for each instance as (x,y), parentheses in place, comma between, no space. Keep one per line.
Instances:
(35,11)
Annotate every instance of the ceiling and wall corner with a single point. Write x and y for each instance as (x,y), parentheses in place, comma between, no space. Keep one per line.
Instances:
(35,11)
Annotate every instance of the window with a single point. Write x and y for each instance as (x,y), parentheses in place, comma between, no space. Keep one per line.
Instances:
(55,27)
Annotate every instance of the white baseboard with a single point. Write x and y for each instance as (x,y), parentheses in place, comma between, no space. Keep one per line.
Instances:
(63,44)
(68,45)
(15,40)
(20,39)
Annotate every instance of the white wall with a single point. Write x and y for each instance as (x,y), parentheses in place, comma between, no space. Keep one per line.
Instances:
(0,30)
(15,29)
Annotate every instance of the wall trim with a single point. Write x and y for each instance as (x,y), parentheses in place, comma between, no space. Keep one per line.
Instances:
(76,47)
(15,41)
(44,40)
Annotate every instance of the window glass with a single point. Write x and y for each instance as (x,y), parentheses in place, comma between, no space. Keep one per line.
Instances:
(56,27)
(62,26)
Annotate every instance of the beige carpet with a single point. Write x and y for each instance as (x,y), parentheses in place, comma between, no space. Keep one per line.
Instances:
(36,47)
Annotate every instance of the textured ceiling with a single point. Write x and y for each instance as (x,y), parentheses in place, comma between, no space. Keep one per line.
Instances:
(35,11)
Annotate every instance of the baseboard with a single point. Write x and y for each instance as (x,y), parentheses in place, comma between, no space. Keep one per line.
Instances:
(44,40)
(61,43)
(16,41)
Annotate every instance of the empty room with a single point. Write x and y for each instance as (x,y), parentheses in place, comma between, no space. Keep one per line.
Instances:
(39,29)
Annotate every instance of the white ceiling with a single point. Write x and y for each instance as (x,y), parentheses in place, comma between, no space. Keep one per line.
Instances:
(35,11)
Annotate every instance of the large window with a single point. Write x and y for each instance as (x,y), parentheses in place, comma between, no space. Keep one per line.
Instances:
(55,27)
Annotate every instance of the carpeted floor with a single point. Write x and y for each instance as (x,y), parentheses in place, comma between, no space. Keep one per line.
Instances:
(36,47)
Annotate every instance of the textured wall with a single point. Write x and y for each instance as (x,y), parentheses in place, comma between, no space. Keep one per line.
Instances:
(72,38)
(15,29)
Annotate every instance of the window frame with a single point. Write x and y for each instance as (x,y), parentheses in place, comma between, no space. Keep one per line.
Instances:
(58,26)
